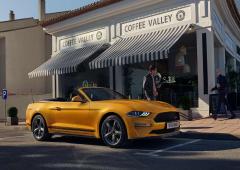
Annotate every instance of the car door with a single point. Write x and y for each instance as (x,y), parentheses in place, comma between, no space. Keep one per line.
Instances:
(71,117)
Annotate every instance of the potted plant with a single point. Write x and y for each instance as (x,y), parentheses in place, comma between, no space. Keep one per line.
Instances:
(12,118)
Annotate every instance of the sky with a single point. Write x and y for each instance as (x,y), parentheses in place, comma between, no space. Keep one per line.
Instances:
(29,8)
(238,3)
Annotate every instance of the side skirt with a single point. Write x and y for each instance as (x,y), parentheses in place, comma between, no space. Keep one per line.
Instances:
(72,131)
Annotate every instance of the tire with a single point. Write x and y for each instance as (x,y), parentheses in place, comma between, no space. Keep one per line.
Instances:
(39,128)
(113,132)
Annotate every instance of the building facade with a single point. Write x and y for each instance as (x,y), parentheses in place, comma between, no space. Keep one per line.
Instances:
(111,43)
(23,46)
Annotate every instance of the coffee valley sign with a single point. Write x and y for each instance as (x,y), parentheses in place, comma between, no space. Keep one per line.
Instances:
(156,21)
(91,37)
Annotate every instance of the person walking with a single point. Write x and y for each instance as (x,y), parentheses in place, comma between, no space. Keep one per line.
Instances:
(158,82)
(149,85)
(222,89)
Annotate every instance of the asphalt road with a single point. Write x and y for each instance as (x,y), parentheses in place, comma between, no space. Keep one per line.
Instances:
(19,151)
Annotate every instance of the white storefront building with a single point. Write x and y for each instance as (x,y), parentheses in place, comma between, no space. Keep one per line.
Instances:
(111,43)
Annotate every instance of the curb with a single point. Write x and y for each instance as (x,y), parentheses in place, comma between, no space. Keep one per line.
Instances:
(14,127)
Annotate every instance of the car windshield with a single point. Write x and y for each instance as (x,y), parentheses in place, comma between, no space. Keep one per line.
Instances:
(98,94)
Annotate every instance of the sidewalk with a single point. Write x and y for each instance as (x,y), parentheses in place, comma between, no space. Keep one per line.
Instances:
(20,126)
(221,126)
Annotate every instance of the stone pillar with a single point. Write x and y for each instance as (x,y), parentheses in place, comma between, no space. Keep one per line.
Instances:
(206,69)
(54,95)
(56,86)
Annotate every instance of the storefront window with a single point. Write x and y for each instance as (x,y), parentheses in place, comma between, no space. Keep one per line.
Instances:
(84,78)
(178,75)
(229,63)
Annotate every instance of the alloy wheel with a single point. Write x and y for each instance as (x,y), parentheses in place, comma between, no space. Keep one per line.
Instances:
(39,128)
(113,132)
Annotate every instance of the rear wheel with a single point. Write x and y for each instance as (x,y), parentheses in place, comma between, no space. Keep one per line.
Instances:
(39,128)
(113,131)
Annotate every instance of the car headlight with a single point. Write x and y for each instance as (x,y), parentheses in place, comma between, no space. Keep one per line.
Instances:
(138,114)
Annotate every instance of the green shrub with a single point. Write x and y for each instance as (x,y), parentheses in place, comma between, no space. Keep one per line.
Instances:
(12,112)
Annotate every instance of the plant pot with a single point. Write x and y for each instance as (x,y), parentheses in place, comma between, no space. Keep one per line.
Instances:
(12,121)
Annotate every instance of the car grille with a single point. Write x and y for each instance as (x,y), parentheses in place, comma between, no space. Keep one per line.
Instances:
(167,117)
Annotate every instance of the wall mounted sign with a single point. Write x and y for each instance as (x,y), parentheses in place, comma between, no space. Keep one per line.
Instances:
(91,37)
(86,83)
(4,94)
(168,79)
(157,21)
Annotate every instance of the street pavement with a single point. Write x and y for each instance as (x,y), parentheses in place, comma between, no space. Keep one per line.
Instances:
(19,151)
(220,128)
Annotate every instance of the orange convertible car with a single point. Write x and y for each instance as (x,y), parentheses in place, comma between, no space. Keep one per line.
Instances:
(102,113)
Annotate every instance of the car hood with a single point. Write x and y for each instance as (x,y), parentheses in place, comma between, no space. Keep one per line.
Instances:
(144,105)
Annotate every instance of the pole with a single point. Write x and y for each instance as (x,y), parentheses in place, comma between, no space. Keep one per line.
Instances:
(5,112)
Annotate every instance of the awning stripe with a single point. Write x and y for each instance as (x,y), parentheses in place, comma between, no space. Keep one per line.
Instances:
(66,61)
(140,48)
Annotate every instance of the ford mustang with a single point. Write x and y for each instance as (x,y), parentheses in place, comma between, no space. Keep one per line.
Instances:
(102,113)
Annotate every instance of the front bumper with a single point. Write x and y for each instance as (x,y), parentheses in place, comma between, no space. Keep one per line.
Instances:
(158,124)
(148,128)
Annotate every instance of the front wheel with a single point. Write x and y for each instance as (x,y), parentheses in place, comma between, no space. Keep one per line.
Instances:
(39,128)
(113,131)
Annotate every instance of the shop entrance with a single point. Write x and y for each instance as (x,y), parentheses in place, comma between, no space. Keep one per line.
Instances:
(179,84)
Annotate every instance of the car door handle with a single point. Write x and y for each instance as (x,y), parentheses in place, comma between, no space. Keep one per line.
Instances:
(56,108)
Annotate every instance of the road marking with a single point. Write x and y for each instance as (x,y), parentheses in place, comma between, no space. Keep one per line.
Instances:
(12,137)
(154,153)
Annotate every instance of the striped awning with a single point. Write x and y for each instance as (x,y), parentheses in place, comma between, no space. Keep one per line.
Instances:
(66,61)
(140,48)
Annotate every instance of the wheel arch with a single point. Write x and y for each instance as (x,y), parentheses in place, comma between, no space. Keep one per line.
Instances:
(104,117)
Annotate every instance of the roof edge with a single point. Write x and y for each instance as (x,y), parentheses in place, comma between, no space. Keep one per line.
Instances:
(78,11)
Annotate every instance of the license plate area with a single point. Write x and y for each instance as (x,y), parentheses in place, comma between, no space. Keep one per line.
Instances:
(172,125)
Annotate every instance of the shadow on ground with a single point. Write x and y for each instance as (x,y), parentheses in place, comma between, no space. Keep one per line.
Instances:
(158,143)
(207,136)
(43,156)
